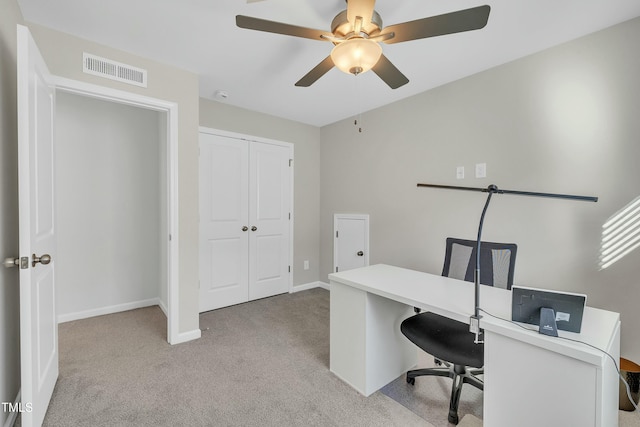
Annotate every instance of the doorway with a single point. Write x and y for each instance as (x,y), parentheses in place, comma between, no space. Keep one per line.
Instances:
(157,269)
(108,205)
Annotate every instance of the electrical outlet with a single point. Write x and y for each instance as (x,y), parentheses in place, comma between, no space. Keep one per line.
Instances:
(481,170)
(306,264)
(460,172)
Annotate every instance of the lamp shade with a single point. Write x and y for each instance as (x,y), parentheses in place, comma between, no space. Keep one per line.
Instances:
(356,55)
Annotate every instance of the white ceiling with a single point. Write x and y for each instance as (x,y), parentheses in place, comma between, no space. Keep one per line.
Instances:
(258,70)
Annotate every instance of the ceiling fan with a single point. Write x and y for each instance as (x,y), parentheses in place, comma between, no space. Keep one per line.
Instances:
(356,34)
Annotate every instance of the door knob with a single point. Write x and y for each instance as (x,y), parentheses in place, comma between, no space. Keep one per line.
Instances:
(245,228)
(44,259)
(23,262)
(11,262)
(254,228)
(360,253)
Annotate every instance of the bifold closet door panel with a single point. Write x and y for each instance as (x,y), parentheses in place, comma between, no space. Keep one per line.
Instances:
(224,223)
(269,216)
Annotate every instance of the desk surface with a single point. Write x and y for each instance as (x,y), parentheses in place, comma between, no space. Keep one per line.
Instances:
(455,299)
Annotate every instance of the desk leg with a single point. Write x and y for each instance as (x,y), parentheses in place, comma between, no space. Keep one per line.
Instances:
(530,386)
(367,348)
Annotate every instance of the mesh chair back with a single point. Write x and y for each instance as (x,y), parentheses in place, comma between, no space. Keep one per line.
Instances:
(497,262)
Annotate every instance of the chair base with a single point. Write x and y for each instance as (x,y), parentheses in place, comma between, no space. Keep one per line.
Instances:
(459,374)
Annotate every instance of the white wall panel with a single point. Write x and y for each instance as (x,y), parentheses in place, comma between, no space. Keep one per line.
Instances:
(108,207)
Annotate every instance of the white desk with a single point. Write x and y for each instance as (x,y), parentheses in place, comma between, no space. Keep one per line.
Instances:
(530,379)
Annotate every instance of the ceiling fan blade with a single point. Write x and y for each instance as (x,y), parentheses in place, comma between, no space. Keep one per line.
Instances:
(333,39)
(317,72)
(362,8)
(389,73)
(258,24)
(449,23)
(382,37)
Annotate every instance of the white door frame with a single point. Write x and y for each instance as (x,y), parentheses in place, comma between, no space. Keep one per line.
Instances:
(171,109)
(363,217)
(227,134)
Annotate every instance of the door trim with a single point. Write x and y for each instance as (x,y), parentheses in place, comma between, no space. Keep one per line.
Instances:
(363,217)
(235,135)
(173,247)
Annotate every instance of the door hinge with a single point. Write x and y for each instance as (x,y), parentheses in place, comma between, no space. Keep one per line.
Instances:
(290,162)
(289,215)
(289,269)
(169,237)
(336,234)
(336,269)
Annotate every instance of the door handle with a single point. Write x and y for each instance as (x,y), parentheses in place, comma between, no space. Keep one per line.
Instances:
(360,253)
(23,262)
(44,259)
(254,228)
(11,262)
(245,228)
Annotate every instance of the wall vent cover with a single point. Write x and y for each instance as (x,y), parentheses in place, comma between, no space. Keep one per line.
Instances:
(92,64)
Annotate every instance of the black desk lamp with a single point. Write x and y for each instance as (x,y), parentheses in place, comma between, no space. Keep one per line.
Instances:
(474,324)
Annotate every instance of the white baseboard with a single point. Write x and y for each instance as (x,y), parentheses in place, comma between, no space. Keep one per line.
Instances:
(324,285)
(13,416)
(62,318)
(187,336)
(163,307)
(310,285)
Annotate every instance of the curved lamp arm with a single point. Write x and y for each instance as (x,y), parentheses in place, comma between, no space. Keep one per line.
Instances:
(474,324)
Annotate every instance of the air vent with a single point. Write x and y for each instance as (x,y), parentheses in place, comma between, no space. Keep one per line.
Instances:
(113,70)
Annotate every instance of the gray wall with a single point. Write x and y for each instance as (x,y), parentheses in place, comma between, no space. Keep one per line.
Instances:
(306,203)
(107,204)
(9,286)
(565,120)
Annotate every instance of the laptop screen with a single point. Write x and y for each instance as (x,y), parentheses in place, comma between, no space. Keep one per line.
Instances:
(568,307)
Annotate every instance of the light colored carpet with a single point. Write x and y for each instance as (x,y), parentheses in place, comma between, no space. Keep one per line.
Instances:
(264,363)
(429,397)
(629,419)
(470,421)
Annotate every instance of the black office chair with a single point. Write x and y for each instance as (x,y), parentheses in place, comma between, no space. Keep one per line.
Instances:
(448,340)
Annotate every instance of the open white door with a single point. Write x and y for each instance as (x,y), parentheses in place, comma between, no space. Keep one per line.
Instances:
(38,326)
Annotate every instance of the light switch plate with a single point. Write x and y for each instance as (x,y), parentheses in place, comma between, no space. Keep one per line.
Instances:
(460,172)
(481,170)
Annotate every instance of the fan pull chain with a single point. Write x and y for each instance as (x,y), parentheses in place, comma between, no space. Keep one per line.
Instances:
(359,100)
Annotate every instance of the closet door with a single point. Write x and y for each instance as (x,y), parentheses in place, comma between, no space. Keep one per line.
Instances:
(224,235)
(269,216)
(245,206)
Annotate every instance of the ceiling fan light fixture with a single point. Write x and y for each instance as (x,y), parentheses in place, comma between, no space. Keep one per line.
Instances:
(356,55)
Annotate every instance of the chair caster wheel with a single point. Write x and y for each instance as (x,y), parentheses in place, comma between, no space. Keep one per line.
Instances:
(411,381)
(453,418)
